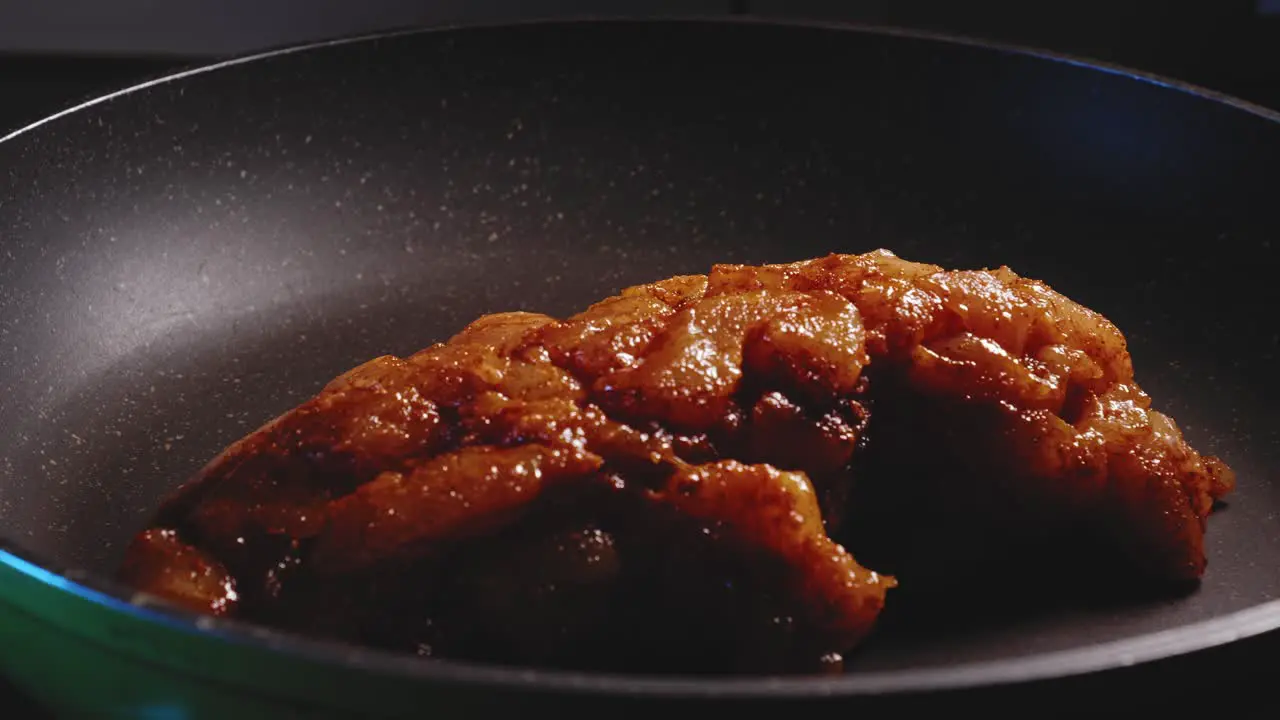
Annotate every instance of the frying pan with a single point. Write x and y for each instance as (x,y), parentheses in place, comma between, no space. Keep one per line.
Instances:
(185,259)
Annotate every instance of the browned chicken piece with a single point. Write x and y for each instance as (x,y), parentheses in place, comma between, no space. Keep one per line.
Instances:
(654,483)
(1006,416)
(606,491)
(163,565)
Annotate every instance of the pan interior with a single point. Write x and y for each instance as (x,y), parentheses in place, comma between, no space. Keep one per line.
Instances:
(183,262)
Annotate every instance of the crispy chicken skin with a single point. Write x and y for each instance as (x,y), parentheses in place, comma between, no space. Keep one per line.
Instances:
(656,482)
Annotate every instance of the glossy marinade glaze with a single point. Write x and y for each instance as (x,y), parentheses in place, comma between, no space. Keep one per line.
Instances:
(674,478)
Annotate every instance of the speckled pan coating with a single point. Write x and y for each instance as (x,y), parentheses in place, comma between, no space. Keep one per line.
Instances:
(182,262)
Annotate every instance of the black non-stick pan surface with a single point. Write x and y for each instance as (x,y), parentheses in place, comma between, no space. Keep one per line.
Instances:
(186,259)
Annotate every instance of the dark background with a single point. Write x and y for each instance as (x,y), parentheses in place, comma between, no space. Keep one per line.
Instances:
(54,54)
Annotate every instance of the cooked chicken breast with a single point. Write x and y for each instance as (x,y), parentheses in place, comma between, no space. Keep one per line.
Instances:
(656,482)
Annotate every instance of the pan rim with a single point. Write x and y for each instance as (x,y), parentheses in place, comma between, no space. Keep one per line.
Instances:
(865,28)
(112,596)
